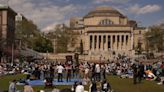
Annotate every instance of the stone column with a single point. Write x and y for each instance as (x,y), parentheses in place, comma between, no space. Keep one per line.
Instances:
(97,44)
(120,40)
(93,42)
(106,47)
(124,46)
(102,42)
(111,42)
(116,42)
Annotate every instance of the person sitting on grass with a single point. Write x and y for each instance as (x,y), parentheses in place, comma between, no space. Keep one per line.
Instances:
(80,88)
(28,88)
(49,82)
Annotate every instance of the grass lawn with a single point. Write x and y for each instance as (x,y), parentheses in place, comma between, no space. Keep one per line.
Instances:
(119,85)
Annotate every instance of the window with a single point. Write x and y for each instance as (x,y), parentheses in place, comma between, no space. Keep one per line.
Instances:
(105,22)
(91,40)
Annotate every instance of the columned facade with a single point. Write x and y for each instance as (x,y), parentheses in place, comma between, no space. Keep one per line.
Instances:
(107,33)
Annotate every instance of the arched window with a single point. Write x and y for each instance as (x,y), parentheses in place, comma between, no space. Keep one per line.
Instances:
(105,22)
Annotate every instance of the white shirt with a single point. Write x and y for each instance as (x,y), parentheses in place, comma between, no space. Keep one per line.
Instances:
(79,88)
(97,68)
(60,69)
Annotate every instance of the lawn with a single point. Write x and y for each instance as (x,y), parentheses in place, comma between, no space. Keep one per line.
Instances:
(119,85)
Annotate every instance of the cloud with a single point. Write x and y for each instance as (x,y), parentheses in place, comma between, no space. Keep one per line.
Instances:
(43,12)
(136,9)
(113,1)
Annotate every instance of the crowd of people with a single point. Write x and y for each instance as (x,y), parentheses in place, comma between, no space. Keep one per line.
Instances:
(89,72)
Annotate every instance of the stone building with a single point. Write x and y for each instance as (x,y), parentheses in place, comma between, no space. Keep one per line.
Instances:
(105,33)
(7,33)
(7,24)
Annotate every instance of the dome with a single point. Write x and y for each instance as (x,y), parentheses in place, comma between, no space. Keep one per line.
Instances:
(104,11)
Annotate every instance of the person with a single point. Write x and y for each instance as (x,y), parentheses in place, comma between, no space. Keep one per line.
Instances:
(12,86)
(74,86)
(80,88)
(51,71)
(93,87)
(97,70)
(60,69)
(105,86)
(86,73)
(68,68)
(140,72)
(28,88)
(55,90)
(135,73)
(1,70)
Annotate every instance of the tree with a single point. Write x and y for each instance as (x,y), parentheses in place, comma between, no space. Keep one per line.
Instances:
(155,38)
(64,37)
(31,36)
(42,44)
(26,30)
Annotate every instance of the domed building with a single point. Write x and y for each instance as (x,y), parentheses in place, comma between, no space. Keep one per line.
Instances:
(105,33)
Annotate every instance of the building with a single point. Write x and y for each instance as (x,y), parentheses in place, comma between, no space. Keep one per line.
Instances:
(7,24)
(7,32)
(105,33)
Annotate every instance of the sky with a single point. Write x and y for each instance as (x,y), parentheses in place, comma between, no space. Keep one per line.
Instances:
(47,13)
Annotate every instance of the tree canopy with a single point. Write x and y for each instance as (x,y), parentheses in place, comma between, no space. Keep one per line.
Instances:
(31,36)
(64,37)
(155,38)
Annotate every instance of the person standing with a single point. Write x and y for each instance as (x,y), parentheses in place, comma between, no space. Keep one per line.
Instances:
(93,87)
(135,73)
(60,70)
(98,70)
(51,71)
(68,69)
(28,88)
(12,86)
(140,72)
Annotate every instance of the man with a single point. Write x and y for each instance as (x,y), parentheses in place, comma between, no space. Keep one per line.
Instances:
(140,72)
(105,86)
(97,70)
(60,69)
(80,88)
(135,73)
(12,86)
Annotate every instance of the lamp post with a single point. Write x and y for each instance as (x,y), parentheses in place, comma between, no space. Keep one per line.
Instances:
(12,54)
